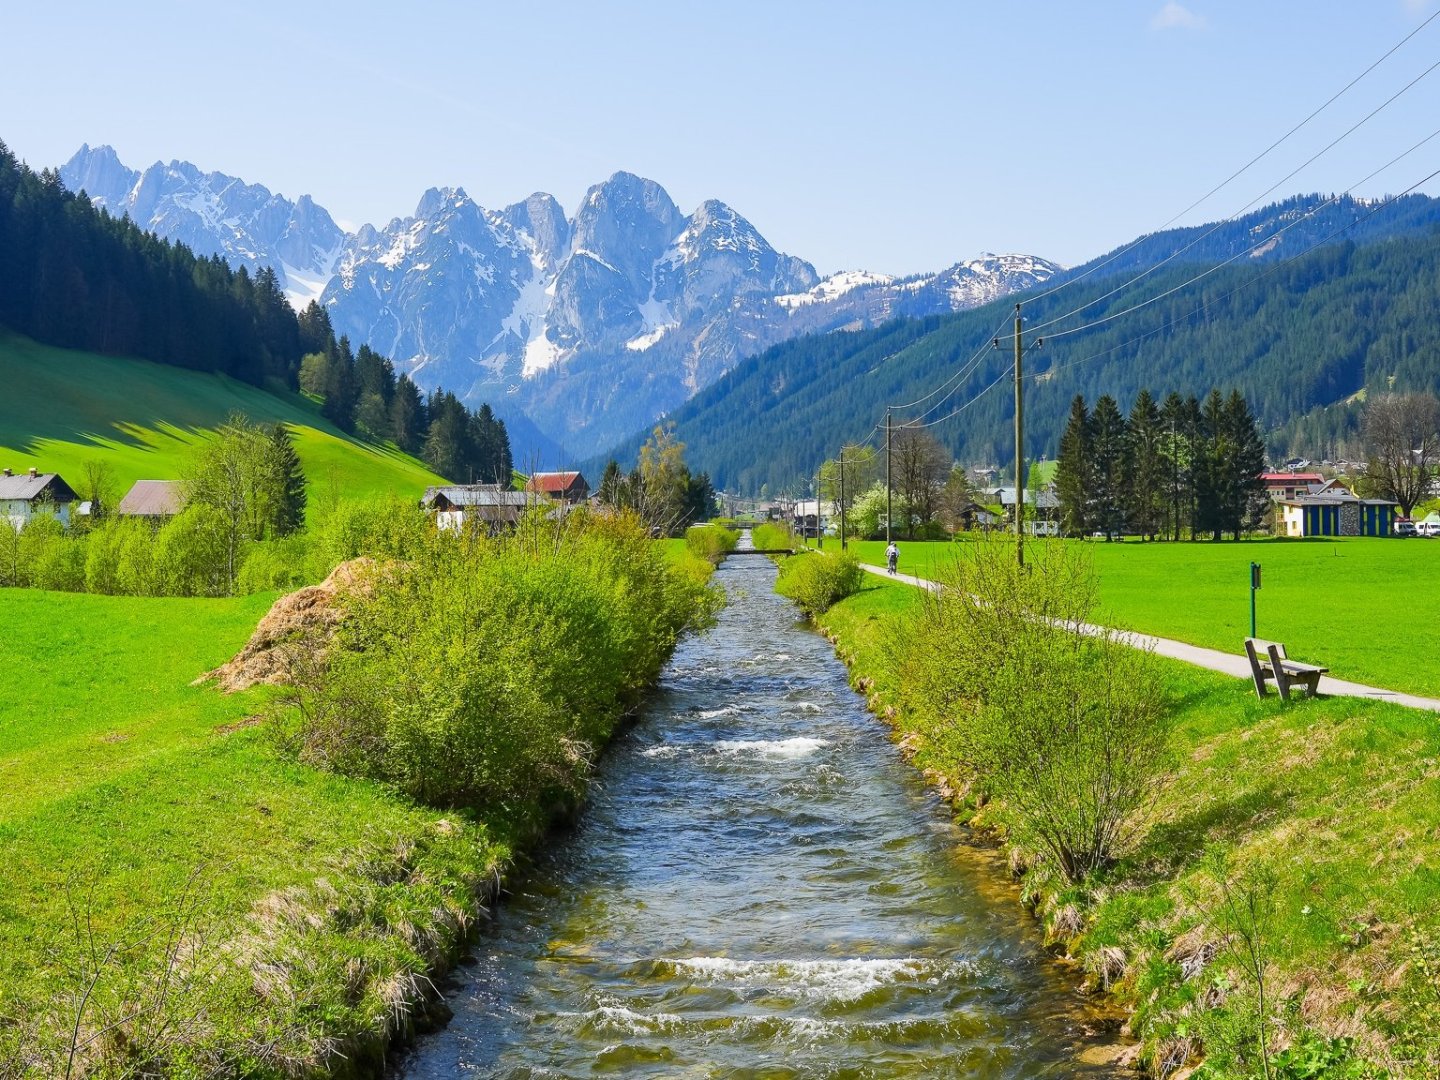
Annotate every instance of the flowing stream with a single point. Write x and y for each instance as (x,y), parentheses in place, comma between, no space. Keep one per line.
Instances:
(759,887)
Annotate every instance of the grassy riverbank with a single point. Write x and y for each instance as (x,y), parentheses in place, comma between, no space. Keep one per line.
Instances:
(1351,604)
(1325,807)
(179,892)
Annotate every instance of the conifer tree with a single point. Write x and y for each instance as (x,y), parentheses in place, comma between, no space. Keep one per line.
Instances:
(1145,467)
(1107,427)
(1075,471)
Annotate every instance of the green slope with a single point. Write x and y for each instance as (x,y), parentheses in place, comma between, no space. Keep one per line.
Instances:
(60,408)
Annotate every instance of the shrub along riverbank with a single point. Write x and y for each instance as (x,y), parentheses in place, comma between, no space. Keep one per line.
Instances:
(263,884)
(1271,908)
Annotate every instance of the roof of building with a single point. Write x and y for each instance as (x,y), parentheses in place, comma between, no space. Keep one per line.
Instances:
(152,498)
(1045,500)
(1336,498)
(554,483)
(29,486)
(474,495)
(1284,479)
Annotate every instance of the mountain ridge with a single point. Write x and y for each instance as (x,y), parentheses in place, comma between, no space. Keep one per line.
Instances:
(588,326)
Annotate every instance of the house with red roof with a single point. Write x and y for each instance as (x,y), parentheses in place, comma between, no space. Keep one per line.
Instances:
(1291,485)
(569,488)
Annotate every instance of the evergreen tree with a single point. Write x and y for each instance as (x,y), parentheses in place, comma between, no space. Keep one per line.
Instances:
(1075,471)
(1176,462)
(612,485)
(289,478)
(342,387)
(1145,467)
(1213,482)
(1248,499)
(444,449)
(1107,433)
(407,416)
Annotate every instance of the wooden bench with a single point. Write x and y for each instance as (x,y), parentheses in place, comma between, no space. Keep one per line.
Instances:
(1268,661)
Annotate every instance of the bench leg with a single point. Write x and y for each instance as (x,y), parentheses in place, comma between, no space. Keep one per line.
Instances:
(1282,681)
(1256,671)
(1312,684)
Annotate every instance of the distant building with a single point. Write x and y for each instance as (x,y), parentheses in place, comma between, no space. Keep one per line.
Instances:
(33,492)
(1046,501)
(488,506)
(566,487)
(1290,485)
(155,500)
(1336,513)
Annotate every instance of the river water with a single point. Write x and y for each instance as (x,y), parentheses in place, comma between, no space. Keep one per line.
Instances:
(758,887)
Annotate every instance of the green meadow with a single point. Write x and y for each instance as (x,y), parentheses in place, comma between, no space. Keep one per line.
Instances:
(62,408)
(1362,607)
(1334,797)
(124,790)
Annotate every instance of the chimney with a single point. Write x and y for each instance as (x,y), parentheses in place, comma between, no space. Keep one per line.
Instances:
(32,474)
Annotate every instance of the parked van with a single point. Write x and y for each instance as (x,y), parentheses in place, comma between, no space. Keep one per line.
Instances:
(1427,528)
(1403,527)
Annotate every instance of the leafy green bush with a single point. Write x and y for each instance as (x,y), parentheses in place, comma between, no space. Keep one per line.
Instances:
(711,542)
(480,670)
(769,535)
(1068,728)
(816,580)
(283,564)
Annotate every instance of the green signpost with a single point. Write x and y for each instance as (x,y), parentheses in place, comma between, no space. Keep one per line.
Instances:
(1254,588)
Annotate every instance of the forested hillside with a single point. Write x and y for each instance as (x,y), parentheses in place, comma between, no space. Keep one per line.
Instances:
(1293,335)
(74,277)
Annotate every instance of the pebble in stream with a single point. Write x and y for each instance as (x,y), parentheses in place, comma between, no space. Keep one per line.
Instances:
(759,887)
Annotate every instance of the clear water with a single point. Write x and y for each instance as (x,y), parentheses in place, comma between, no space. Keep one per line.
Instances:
(759,887)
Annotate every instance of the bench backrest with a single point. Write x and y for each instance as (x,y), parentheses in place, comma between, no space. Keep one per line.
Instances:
(1254,645)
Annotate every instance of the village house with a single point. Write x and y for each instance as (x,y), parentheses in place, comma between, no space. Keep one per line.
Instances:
(1336,513)
(487,506)
(27,494)
(569,488)
(1291,485)
(157,501)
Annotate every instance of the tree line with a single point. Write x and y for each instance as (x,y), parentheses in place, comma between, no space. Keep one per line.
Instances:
(1310,333)
(75,277)
(661,490)
(1163,470)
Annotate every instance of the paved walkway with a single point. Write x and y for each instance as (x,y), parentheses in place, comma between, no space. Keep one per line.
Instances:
(1214,659)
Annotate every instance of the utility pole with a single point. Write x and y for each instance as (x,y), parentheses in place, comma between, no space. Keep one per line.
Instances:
(1019,434)
(887,476)
(844,543)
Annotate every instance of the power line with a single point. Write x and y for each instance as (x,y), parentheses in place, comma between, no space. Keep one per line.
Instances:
(1259,244)
(1243,169)
(1221,224)
(1244,285)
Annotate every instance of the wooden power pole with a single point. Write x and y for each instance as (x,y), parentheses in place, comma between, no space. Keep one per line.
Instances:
(1019,444)
(887,477)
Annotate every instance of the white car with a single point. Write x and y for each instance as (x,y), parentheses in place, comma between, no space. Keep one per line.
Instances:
(1403,527)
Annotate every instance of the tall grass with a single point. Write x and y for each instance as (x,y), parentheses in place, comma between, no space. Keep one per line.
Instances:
(478,670)
(816,580)
(711,542)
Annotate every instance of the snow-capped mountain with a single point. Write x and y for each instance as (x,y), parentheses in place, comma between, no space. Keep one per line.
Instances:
(591,326)
(215,213)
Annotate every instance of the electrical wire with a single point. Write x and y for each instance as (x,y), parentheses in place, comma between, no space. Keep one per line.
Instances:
(1278,264)
(1256,246)
(1240,171)
(1142,275)
(963,370)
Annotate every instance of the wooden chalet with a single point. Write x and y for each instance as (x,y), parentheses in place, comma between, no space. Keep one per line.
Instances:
(154,500)
(25,495)
(569,488)
(483,506)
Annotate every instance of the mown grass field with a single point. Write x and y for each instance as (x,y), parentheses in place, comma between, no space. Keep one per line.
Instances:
(120,782)
(1334,796)
(61,408)
(1362,607)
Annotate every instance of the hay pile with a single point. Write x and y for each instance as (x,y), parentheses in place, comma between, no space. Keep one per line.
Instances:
(299,624)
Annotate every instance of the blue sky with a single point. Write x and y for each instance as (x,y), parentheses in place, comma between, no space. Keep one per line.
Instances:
(893,137)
